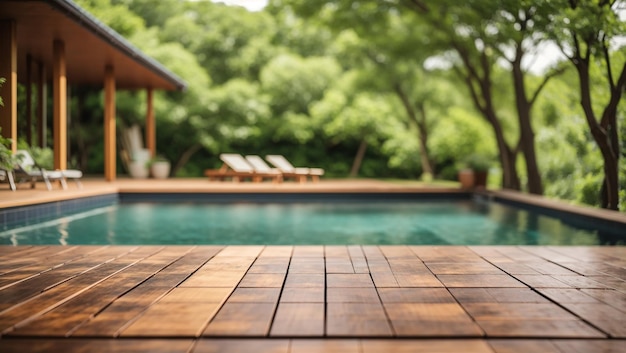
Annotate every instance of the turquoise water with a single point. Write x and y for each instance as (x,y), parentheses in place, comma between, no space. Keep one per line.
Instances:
(436,223)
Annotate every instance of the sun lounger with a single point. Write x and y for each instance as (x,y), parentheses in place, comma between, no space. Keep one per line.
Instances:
(237,168)
(259,165)
(26,168)
(286,167)
(7,176)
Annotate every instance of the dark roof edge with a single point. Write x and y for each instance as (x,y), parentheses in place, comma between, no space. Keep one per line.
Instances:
(90,22)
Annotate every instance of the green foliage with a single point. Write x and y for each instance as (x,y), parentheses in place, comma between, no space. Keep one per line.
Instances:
(44,157)
(7,159)
(2,81)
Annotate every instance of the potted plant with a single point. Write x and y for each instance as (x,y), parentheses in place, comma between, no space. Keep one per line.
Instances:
(479,164)
(159,167)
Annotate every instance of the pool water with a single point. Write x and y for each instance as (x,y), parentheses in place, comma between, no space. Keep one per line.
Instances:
(418,223)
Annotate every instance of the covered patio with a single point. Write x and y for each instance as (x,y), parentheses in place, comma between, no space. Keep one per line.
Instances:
(56,43)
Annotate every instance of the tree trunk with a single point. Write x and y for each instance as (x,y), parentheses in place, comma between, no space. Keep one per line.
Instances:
(184,158)
(605,132)
(527,135)
(358,159)
(422,128)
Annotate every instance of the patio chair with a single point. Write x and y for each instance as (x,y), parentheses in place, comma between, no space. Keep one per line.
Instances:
(237,168)
(286,167)
(26,168)
(260,166)
(73,174)
(6,175)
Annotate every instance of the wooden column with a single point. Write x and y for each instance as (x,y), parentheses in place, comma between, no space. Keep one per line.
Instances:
(8,90)
(29,99)
(150,123)
(59,87)
(109,125)
(42,101)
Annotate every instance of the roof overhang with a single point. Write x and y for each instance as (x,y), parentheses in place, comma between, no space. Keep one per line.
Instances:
(90,46)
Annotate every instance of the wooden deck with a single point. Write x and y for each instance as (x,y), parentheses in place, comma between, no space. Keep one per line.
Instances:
(312,299)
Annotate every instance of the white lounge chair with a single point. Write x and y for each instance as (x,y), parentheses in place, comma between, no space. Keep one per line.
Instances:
(259,165)
(26,168)
(237,168)
(286,167)
(6,175)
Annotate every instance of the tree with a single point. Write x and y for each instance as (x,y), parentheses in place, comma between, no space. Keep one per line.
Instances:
(584,30)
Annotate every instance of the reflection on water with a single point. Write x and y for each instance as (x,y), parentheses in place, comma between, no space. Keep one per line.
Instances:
(434,223)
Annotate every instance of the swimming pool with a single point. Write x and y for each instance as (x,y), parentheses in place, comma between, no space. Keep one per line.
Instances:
(459,222)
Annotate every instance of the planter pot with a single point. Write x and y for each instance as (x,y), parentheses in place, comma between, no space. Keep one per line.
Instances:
(466,178)
(160,170)
(138,170)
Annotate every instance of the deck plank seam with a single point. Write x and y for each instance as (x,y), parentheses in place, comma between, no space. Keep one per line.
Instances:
(587,322)
(103,308)
(34,317)
(121,329)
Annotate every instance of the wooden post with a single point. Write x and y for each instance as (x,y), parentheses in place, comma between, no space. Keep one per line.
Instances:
(8,90)
(150,123)
(59,83)
(42,101)
(109,125)
(29,99)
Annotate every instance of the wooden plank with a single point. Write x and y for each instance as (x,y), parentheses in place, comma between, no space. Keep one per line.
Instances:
(197,295)
(424,280)
(539,328)
(426,346)
(54,297)
(398,252)
(242,346)
(517,311)
(458,268)
(241,319)
(522,346)
(277,251)
(580,282)
(339,265)
(270,265)
(213,279)
(614,298)
(428,319)
(240,251)
(116,316)
(183,320)
(254,295)
(352,295)
(356,320)
(602,316)
(567,295)
(415,295)
(325,346)
(298,320)
(263,280)
(478,281)
(348,280)
(359,264)
(302,295)
(95,346)
(308,251)
(338,251)
(404,267)
(496,295)
(381,273)
(307,265)
(541,281)
(299,280)
(581,346)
